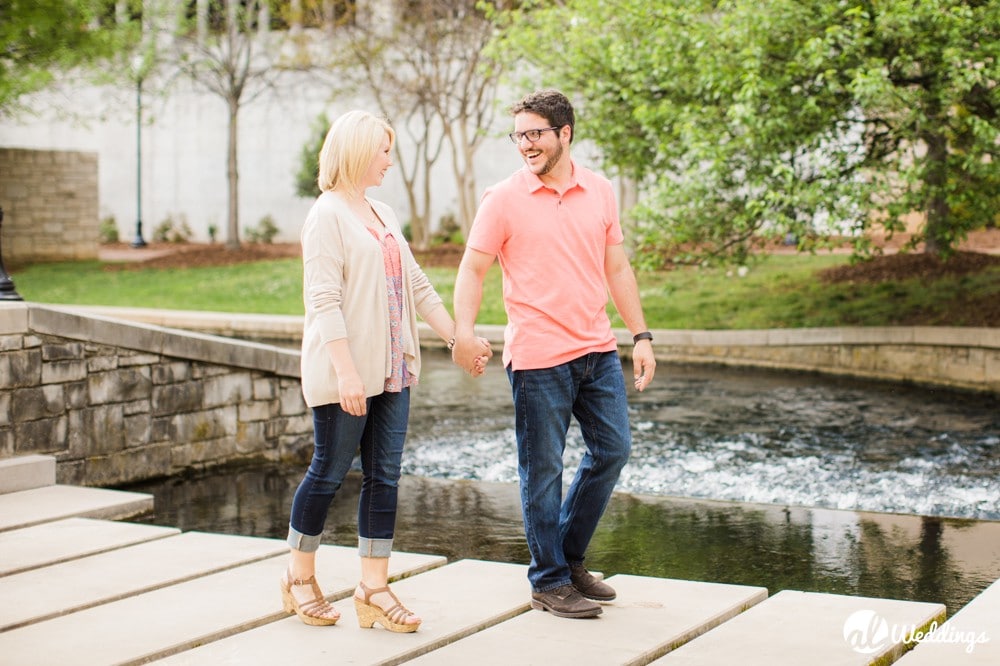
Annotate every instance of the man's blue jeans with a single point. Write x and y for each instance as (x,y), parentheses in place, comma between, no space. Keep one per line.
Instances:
(592,389)
(380,434)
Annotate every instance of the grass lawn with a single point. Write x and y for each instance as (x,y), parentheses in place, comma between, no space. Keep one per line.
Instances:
(783,291)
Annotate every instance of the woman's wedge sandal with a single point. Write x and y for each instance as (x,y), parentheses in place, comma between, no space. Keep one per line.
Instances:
(317,612)
(393,619)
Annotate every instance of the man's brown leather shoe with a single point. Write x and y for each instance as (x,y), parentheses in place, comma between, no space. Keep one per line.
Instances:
(564,601)
(589,585)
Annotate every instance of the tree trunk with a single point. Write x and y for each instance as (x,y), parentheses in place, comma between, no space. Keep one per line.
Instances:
(937,239)
(233,178)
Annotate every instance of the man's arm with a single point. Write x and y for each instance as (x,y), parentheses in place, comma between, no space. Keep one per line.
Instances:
(468,298)
(624,292)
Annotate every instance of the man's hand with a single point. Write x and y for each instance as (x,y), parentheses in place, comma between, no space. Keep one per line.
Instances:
(472,354)
(643,364)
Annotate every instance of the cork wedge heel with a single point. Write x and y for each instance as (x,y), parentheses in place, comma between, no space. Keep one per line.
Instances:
(317,612)
(393,618)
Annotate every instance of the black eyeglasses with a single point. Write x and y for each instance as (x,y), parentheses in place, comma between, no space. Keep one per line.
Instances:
(531,135)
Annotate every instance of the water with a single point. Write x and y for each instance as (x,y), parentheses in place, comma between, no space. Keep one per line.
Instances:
(746,436)
(814,474)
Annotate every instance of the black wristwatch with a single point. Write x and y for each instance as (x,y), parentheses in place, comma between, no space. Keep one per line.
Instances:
(645,335)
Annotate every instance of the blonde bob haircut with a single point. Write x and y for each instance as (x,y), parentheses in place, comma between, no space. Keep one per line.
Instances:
(349,148)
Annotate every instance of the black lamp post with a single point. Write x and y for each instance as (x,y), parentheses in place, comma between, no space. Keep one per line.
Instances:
(7,290)
(138,241)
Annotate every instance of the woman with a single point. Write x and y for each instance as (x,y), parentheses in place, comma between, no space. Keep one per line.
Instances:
(360,354)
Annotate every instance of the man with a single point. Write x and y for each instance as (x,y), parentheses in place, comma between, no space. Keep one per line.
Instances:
(554,227)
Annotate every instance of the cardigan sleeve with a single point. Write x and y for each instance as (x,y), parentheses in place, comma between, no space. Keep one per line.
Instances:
(323,271)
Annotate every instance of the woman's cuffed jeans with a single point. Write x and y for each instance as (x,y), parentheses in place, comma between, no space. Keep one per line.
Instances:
(379,435)
(591,389)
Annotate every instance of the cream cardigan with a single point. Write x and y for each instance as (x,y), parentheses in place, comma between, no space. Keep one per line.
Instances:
(346,296)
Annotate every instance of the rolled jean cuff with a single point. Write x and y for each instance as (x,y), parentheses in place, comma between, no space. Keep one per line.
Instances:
(374,547)
(303,542)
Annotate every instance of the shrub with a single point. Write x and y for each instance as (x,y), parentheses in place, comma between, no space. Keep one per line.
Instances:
(108,231)
(264,232)
(173,231)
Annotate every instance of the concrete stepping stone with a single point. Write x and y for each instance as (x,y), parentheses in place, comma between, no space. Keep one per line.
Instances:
(39,505)
(797,628)
(38,594)
(69,539)
(26,472)
(196,612)
(650,617)
(454,601)
(971,636)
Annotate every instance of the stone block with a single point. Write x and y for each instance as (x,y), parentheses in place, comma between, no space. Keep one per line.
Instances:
(137,407)
(292,401)
(31,404)
(227,389)
(105,427)
(250,436)
(264,388)
(21,368)
(121,385)
(65,351)
(102,363)
(177,398)
(137,430)
(171,372)
(203,425)
(7,443)
(41,436)
(13,317)
(63,371)
(75,394)
(258,410)
(130,359)
(11,342)
(123,466)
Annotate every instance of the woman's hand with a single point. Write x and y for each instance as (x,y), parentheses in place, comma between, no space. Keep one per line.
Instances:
(352,393)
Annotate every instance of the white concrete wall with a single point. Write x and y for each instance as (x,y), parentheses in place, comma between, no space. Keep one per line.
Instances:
(184,153)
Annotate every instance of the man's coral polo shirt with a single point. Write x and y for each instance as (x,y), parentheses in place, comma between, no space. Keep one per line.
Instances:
(551,251)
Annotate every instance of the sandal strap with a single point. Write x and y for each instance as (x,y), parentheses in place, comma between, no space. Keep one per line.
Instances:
(397,613)
(318,606)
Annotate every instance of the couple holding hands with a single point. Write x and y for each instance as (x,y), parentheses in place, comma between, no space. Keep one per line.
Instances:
(553,226)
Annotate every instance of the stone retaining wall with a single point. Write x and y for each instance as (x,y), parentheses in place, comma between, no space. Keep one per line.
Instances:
(116,402)
(50,204)
(956,358)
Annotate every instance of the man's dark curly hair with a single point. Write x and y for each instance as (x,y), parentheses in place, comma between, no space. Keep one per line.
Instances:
(549,104)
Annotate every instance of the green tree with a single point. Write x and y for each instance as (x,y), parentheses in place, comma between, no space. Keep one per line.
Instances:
(742,120)
(307,176)
(43,37)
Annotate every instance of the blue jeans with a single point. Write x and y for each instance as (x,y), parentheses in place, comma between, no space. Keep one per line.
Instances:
(380,435)
(592,389)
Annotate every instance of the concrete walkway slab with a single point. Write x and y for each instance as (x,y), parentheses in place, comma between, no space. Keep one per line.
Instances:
(971,636)
(649,618)
(26,472)
(798,628)
(196,612)
(454,601)
(62,588)
(70,539)
(39,505)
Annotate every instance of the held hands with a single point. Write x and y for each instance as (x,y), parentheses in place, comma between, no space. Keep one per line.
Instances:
(472,354)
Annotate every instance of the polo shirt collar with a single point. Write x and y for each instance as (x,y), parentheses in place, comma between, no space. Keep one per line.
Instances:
(535,183)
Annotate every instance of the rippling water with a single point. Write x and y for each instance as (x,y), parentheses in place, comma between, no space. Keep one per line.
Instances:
(747,436)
